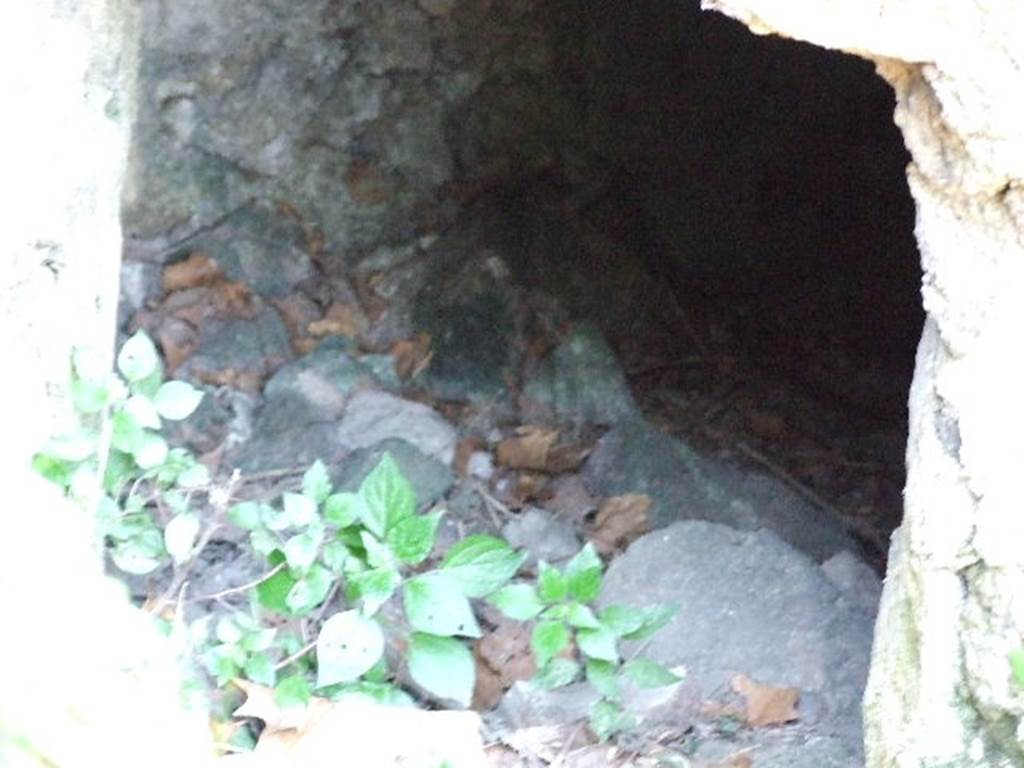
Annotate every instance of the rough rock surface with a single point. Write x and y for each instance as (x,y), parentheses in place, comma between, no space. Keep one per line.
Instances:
(579,382)
(750,604)
(634,457)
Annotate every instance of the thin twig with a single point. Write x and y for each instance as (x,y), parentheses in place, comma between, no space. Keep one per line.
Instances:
(243,588)
(491,504)
(273,474)
(802,488)
(295,656)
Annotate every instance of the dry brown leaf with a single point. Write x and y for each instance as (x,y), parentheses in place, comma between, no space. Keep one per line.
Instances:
(260,704)
(412,356)
(529,486)
(568,457)
(507,651)
(620,521)
(767,705)
(464,449)
(198,269)
(528,449)
(340,320)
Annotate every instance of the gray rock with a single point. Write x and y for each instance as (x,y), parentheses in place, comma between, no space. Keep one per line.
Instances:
(855,579)
(383,367)
(750,604)
(787,748)
(257,346)
(372,417)
(314,387)
(261,246)
(544,536)
(525,705)
(296,449)
(469,315)
(429,478)
(634,457)
(580,382)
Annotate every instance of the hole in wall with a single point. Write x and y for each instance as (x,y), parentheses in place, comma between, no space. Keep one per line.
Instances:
(443,203)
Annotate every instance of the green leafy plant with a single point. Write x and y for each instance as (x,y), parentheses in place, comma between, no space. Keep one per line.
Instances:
(571,639)
(115,462)
(320,619)
(367,546)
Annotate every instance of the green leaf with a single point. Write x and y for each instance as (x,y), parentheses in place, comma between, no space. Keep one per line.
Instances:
(517,601)
(436,605)
(584,574)
(603,676)
(142,411)
(443,666)
(300,551)
(150,451)
(316,483)
(1017,665)
(245,515)
(90,396)
(293,691)
(299,510)
(334,556)
(348,646)
(273,592)
(138,358)
(548,640)
(373,587)
(622,619)
(194,476)
(552,586)
(655,617)
(581,616)
(598,644)
(557,673)
(263,541)
(55,470)
(344,509)
(139,555)
(309,591)
(482,564)
(180,536)
(228,631)
(412,538)
(389,497)
(256,640)
(260,669)
(77,445)
(377,554)
(121,470)
(177,400)
(608,718)
(646,673)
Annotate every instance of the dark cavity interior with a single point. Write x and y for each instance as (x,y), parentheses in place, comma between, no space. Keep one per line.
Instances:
(731,211)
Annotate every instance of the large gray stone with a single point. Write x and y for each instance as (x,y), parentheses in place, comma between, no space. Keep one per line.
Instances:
(634,457)
(750,604)
(580,382)
(372,417)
